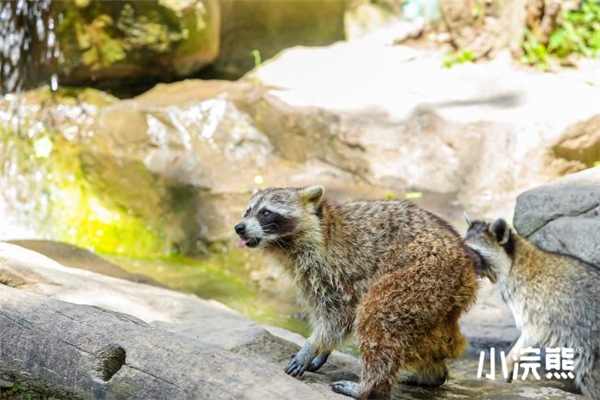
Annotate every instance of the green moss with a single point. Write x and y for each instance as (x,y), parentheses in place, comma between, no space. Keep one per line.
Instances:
(42,165)
(87,220)
(102,33)
(19,392)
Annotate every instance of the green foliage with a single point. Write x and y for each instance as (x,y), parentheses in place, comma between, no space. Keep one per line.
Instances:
(16,389)
(257,57)
(578,33)
(462,57)
(19,392)
(98,34)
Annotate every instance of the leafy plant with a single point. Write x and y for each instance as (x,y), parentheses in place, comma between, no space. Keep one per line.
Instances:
(257,57)
(16,389)
(577,33)
(462,57)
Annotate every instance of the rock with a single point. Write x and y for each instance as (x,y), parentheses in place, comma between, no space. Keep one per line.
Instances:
(118,41)
(564,216)
(385,22)
(392,122)
(411,124)
(44,191)
(75,257)
(268,27)
(91,336)
(580,143)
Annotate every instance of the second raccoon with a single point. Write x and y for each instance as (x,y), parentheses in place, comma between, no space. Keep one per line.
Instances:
(554,298)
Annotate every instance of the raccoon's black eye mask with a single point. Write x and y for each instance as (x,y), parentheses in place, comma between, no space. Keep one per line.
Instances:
(275,223)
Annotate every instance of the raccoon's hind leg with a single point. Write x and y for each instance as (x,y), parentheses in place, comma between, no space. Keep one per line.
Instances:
(404,316)
(444,341)
(434,374)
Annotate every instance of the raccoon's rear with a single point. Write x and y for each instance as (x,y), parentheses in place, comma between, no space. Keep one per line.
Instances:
(398,274)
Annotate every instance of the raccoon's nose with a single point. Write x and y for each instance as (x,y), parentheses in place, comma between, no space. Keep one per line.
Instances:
(240,228)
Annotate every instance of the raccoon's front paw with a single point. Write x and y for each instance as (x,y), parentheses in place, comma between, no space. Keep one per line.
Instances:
(318,362)
(300,362)
(346,388)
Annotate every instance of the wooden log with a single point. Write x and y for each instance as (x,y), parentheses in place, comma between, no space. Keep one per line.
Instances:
(76,351)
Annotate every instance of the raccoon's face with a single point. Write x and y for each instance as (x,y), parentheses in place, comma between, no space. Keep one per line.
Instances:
(493,242)
(275,215)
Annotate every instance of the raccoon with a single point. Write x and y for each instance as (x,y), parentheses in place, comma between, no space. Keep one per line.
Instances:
(397,275)
(554,298)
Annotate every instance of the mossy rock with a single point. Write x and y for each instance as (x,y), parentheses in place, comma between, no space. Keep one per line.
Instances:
(46,183)
(134,41)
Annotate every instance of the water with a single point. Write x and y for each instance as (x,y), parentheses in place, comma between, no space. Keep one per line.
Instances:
(28,46)
(227,279)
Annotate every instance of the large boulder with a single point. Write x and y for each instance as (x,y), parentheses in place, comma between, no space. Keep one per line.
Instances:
(580,143)
(564,216)
(124,41)
(76,334)
(395,118)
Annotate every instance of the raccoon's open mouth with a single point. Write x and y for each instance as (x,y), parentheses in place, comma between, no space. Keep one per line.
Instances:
(249,242)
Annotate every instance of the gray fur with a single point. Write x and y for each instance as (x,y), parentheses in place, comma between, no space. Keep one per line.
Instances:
(554,298)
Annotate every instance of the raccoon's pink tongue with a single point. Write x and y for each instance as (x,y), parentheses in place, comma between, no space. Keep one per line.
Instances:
(242,242)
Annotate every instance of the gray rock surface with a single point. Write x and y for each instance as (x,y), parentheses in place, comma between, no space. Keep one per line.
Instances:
(118,42)
(78,334)
(564,216)
(75,257)
(581,142)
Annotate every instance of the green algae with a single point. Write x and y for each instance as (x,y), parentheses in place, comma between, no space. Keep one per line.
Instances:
(97,35)
(228,284)
(44,179)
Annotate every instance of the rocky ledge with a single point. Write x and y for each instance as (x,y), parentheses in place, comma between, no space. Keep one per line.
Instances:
(74,333)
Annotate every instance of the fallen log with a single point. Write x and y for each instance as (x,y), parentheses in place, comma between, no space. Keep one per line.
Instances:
(77,351)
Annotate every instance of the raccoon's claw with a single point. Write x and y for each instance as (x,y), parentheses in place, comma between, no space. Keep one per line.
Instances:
(297,366)
(346,388)
(318,362)
(300,362)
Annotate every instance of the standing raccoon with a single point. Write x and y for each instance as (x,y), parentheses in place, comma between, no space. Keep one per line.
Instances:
(554,298)
(397,274)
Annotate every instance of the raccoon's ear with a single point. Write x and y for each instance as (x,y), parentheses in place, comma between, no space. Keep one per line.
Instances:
(501,231)
(312,194)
